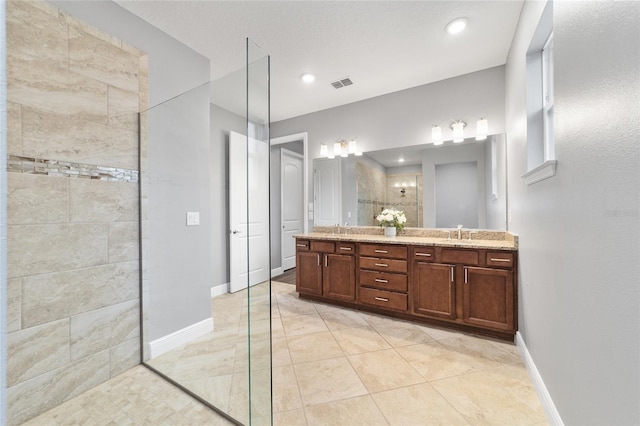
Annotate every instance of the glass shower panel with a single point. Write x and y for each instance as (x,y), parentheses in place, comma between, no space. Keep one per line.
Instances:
(259,289)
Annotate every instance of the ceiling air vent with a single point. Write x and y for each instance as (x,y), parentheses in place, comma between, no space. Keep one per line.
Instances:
(343,82)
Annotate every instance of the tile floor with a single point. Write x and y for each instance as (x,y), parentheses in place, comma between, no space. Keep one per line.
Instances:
(331,366)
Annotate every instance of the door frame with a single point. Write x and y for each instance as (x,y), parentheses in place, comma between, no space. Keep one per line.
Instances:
(305,170)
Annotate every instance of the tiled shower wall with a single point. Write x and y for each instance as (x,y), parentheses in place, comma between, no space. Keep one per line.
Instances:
(73,275)
(410,202)
(372,193)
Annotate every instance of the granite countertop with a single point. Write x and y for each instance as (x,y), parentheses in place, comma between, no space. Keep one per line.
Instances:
(499,240)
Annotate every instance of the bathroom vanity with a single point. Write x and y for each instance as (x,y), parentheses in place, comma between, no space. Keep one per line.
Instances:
(465,280)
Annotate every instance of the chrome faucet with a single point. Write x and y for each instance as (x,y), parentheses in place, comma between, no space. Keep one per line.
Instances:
(459,232)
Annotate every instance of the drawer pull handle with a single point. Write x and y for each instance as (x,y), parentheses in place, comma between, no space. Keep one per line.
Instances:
(345,248)
(378,280)
(318,259)
(382,264)
(381,251)
(500,260)
(301,245)
(381,299)
(424,254)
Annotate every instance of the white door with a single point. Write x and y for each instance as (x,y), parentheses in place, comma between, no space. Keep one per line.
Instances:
(248,211)
(456,187)
(327,192)
(292,208)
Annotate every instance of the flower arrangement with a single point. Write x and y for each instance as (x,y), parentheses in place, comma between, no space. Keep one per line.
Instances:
(392,217)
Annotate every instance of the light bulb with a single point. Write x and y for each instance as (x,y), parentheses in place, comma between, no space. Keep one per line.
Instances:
(436,135)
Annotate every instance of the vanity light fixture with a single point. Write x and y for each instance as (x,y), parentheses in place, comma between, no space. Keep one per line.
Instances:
(456,26)
(457,128)
(341,148)
(482,129)
(436,135)
(400,160)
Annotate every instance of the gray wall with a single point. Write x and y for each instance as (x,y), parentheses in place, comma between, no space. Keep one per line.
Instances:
(178,166)
(275,199)
(453,154)
(404,118)
(579,230)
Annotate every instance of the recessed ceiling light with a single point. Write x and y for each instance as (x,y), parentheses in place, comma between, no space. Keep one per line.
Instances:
(400,160)
(457,25)
(308,78)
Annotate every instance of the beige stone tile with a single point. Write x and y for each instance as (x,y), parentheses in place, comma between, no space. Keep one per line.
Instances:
(303,324)
(359,340)
(481,348)
(65,137)
(56,89)
(37,350)
(123,109)
(214,389)
(143,83)
(313,347)
(231,315)
(14,129)
(384,370)
(290,418)
(361,410)
(289,306)
(100,329)
(46,391)
(417,405)
(477,397)
(103,201)
(401,334)
(286,396)
(343,318)
(238,398)
(102,61)
(124,356)
(14,304)
(440,333)
(36,33)
(280,352)
(35,199)
(123,242)
(327,380)
(39,249)
(73,292)
(434,361)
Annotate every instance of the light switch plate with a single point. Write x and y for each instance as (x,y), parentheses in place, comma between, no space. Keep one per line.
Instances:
(193,218)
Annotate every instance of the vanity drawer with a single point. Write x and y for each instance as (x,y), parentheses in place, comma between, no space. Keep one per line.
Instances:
(323,246)
(384,299)
(467,257)
(346,248)
(382,280)
(424,254)
(383,265)
(302,245)
(500,259)
(379,250)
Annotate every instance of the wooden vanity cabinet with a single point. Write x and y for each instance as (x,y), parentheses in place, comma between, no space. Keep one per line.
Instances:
(326,268)
(383,276)
(472,289)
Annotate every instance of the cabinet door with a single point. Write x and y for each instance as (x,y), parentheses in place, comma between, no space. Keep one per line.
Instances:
(309,273)
(339,277)
(488,298)
(434,293)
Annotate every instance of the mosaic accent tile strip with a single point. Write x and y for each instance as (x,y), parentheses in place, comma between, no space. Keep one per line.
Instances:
(16,164)
(384,203)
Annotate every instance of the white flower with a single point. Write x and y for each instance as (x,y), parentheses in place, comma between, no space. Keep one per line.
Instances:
(388,217)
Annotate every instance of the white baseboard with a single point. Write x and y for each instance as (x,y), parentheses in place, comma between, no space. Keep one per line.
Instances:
(545,399)
(219,289)
(180,337)
(277,271)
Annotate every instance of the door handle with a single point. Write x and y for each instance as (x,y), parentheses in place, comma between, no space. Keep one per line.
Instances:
(235,231)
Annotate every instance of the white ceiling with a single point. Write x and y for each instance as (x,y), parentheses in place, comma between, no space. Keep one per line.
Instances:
(383,46)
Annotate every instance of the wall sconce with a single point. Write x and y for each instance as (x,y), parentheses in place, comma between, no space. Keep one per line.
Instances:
(457,128)
(482,129)
(340,148)
(436,135)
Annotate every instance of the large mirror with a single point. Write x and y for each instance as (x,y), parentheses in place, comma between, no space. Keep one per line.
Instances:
(436,186)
